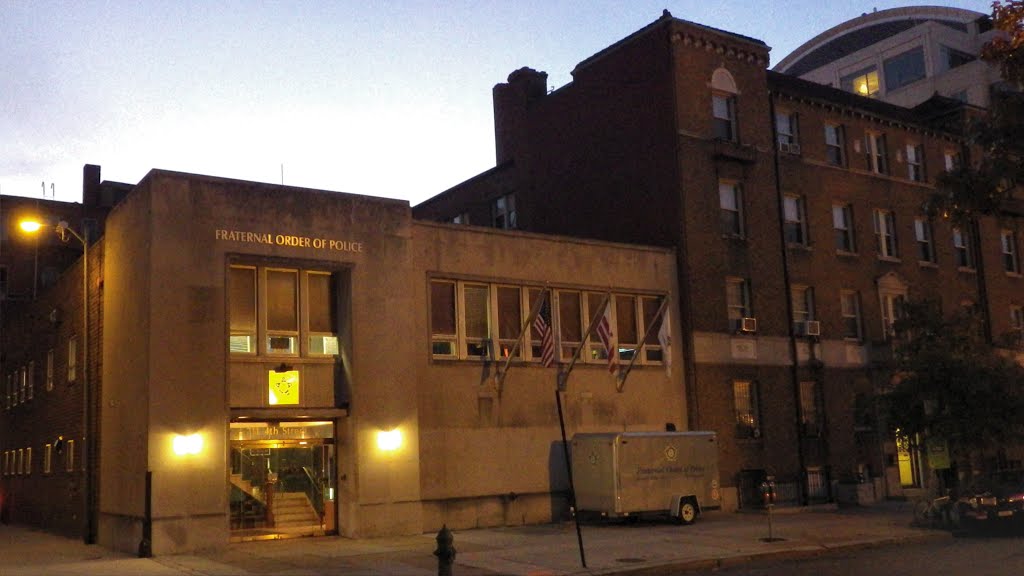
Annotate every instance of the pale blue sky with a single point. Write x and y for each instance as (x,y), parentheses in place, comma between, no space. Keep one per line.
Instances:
(381,98)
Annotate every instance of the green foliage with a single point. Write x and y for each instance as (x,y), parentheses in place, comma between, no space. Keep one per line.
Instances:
(952,383)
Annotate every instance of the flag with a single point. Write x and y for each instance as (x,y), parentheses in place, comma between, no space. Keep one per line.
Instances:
(611,346)
(542,324)
(665,339)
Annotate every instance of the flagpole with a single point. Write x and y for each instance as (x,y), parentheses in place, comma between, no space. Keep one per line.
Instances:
(621,380)
(572,487)
(563,377)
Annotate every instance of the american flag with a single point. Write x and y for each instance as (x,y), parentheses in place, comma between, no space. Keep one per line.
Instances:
(542,324)
(604,330)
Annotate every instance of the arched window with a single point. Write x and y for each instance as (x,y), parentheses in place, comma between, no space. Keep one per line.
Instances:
(723,105)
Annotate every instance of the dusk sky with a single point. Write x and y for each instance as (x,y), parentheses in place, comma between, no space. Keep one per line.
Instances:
(379,98)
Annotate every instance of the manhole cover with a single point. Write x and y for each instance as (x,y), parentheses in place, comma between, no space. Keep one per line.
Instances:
(630,560)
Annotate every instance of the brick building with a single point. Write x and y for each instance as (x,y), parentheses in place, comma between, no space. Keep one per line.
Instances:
(796,213)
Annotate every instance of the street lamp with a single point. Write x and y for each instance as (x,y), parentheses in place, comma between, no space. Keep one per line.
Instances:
(64,231)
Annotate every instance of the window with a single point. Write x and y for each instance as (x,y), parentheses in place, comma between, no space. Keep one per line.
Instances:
(810,411)
(730,199)
(651,326)
(748,419)
(962,248)
(31,377)
(885,233)
(19,467)
(892,310)
(786,132)
(503,212)
(48,459)
(795,225)
(915,162)
(282,311)
(904,69)
(1008,240)
(950,58)
(849,302)
(951,160)
(28,461)
(461,218)
(737,298)
(723,108)
(802,299)
(72,358)
(22,385)
(842,224)
(69,455)
(863,82)
(874,147)
(835,153)
(49,370)
(1017,321)
(923,236)
(471,319)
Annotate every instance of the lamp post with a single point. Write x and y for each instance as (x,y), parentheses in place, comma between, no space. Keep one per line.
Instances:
(63,230)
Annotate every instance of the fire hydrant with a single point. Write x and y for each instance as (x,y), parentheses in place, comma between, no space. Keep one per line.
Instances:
(445,551)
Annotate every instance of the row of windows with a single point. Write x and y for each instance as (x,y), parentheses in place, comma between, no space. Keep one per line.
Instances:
(479,321)
(746,405)
(804,317)
(795,228)
(20,463)
(874,148)
(901,70)
(22,382)
(282,311)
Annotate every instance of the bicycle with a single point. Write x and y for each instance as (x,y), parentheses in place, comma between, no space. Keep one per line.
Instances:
(932,512)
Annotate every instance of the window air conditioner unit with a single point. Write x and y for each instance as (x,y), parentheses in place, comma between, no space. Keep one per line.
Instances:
(784,147)
(812,328)
(748,325)
(794,148)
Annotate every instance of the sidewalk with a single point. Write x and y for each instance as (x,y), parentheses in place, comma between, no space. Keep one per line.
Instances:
(646,547)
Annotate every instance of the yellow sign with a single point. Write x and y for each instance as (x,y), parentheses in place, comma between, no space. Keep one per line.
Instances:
(284,387)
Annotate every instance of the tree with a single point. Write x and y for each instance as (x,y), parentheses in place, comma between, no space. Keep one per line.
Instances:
(985,185)
(952,383)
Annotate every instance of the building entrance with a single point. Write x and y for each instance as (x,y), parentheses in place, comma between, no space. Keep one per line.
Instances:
(282,481)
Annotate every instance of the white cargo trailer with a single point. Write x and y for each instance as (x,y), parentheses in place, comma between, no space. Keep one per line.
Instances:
(619,474)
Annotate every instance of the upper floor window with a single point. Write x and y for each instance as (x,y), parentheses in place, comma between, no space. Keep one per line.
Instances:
(863,82)
(1017,321)
(282,311)
(737,301)
(72,358)
(461,218)
(849,301)
(951,160)
(892,310)
(874,148)
(842,223)
(810,408)
(802,299)
(962,248)
(503,212)
(885,233)
(1008,241)
(950,58)
(835,153)
(923,236)
(795,225)
(915,162)
(786,132)
(730,200)
(723,107)
(904,69)
(49,370)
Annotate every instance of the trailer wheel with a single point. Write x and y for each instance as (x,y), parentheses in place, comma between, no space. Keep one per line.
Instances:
(687,512)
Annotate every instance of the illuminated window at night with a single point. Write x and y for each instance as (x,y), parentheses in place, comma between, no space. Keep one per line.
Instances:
(282,311)
(863,82)
(49,370)
(72,359)
(69,456)
(48,459)
(748,418)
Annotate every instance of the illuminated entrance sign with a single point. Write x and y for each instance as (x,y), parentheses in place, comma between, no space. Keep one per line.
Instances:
(335,244)
(283,387)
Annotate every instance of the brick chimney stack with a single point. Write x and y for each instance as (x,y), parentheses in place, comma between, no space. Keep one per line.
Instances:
(511,102)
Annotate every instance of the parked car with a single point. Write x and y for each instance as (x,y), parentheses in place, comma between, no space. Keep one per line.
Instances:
(998,496)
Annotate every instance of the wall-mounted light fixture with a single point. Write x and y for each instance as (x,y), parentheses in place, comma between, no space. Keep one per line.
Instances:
(186,445)
(389,440)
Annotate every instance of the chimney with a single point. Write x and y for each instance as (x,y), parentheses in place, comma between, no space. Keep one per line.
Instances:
(511,102)
(91,185)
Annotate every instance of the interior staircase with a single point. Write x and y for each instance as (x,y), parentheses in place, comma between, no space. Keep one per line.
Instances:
(292,510)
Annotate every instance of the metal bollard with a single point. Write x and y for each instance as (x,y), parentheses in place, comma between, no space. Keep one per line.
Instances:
(445,551)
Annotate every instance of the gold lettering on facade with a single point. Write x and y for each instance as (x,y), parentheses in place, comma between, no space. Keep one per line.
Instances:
(288,240)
